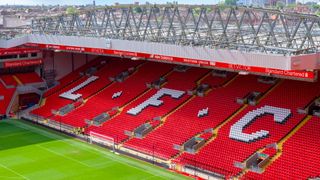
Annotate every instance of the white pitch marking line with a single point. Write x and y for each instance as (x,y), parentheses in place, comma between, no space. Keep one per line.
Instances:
(62,155)
(15,172)
(57,138)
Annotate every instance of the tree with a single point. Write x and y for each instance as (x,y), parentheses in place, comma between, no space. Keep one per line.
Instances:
(291,6)
(280,5)
(71,10)
(222,6)
(197,11)
(137,9)
(208,9)
(315,6)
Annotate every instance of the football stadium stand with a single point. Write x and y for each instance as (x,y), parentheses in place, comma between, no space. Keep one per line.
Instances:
(287,95)
(297,158)
(184,123)
(211,92)
(103,101)
(126,121)
(231,125)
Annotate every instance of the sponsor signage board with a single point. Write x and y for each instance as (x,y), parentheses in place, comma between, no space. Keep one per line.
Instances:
(297,74)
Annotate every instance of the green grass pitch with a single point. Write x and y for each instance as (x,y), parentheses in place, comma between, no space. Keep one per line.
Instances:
(32,152)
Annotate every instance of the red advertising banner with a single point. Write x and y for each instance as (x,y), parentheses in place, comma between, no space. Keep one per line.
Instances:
(22,63)
(269,71)
(304,75)
(13,51)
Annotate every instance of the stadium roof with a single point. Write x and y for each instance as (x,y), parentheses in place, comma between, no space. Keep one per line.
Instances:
(237,28)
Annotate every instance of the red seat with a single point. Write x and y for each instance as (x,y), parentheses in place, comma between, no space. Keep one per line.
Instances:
(184,123)
(110,69)
(7,96)
(176,80)
(299,159)
(27,78)
(223,151)
(300,156)
(9,80)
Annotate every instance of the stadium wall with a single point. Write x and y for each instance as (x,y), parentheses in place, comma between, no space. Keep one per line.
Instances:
(65,62)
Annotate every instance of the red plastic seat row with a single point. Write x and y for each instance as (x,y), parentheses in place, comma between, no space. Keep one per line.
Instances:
(109,69)
(71,77)
(27,78)
(103,102)
(300,155)
(289,94)
(185,124)
(9,80)
(176,80)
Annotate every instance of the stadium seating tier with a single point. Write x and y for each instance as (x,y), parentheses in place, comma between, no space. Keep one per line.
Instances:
(178,119)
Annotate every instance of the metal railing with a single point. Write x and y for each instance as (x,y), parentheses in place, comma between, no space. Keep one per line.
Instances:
(239,28)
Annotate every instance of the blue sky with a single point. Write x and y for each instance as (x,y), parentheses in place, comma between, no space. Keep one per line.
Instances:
(100,2)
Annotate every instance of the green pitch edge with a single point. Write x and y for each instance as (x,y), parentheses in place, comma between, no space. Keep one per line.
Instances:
(33,152)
